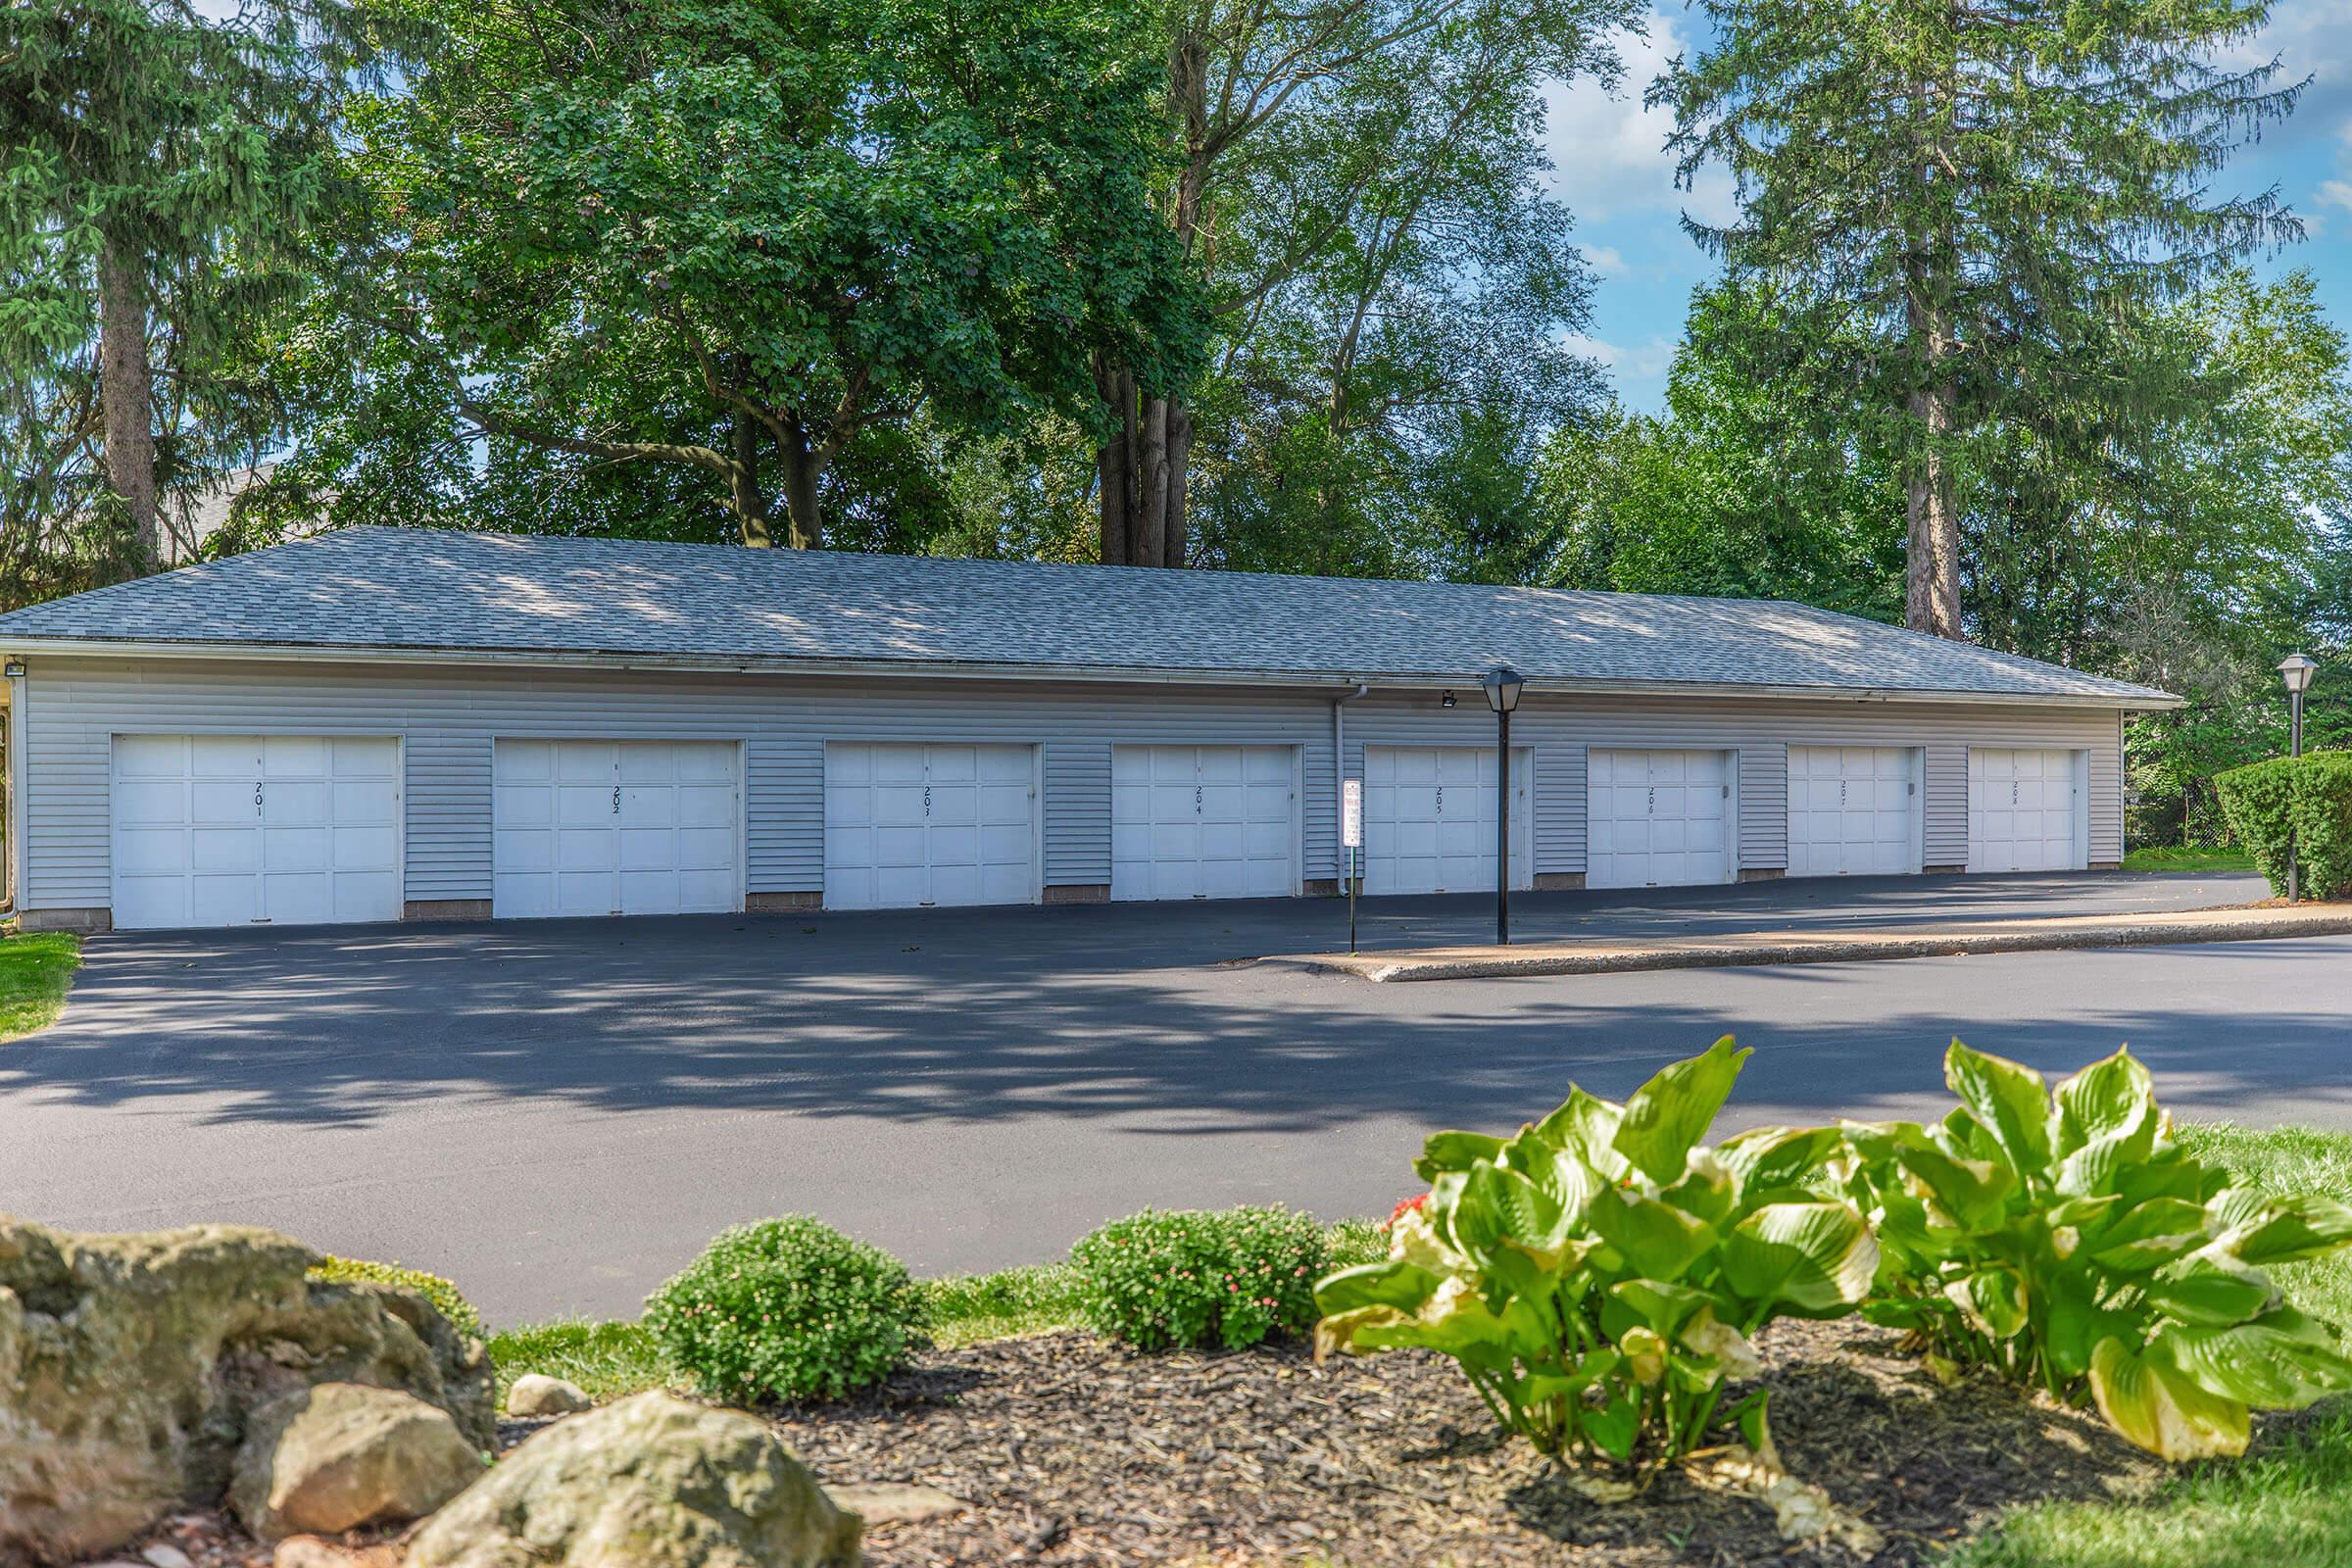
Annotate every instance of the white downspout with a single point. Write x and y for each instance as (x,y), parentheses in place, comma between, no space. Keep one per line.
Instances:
(14,886)
(1339,782)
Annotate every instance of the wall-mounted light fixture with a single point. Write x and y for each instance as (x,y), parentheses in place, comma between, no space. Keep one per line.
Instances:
(1444,698)
(14,670)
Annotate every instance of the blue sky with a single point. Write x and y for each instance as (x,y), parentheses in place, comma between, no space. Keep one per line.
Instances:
(1611,168)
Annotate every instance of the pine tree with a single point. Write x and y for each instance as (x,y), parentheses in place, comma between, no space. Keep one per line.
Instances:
(1964,205)
(156,165)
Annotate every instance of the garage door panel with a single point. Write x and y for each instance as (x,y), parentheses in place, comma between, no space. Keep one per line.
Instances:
(151,757)
(599,827)
(240,829)
(949,824)
(1657,819)
(1202,822)
(1429,819)
(235,757)
(215,901)
(145,802)
(2024,811)
(1855,810)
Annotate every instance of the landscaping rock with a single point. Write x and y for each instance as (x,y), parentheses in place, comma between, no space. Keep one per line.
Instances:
(129,1366)
(341,1455)
(536,1394)
(896,1503)
(313,1552)
(649,1481)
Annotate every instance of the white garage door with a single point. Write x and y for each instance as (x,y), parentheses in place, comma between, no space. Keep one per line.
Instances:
(1853,811)
(1658,819)
(615,827)
(2024,811)
(1202,822)
(213,830)
(913,826)
(1429,819)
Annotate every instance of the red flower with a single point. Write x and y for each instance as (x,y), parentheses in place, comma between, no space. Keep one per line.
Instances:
(1410,1206)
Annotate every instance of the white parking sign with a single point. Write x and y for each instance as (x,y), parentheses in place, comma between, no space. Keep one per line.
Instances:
(1352,813)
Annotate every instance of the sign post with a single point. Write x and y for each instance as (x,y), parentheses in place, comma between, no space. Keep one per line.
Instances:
(1352,834)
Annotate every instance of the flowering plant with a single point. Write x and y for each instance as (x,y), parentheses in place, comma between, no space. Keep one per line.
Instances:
(787,1310)
(1190,1278)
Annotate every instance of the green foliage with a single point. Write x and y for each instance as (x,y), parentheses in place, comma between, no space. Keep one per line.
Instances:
(2064,1239)
(607,1360)
(788,1308)
(1734,492)
(2301,801)
(2180,858)
(966,1308)
(433,1287)
(36,970)
(732,237)
(184,154)
(1196,1277)
(1597,1275)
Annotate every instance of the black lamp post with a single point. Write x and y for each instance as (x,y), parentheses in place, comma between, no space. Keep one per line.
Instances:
(2296,670)
(1502,684)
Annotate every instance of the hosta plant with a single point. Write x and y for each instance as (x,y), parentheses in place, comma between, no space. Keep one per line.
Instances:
(1597,1274)
(2064,1240)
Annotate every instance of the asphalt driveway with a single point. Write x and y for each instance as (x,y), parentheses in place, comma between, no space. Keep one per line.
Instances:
(557,1114)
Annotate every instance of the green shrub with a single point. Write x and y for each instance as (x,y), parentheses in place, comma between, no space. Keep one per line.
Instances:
(433,1287)
(789,1309)
(1597,1275)
(1190,1278)
(2307,799)
(2066,1240)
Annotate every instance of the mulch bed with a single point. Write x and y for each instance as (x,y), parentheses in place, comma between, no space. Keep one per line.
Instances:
(1073,1451)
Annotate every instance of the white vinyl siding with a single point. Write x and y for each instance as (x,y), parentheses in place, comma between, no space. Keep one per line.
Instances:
(450,717)
(2025,810)
(1204,822)
(924,826)
(586,827)
(1659,818)
(1853,811)
(229,830)
(1429,820)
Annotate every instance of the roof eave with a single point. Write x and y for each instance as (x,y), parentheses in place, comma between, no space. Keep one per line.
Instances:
(379,654)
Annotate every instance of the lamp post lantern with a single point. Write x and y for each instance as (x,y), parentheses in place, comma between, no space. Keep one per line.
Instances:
(2297,671)
(1501,684)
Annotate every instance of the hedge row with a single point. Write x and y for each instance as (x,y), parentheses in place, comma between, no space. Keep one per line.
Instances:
(2305,801)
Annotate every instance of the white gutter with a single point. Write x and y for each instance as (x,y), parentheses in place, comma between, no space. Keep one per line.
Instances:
(1152,675)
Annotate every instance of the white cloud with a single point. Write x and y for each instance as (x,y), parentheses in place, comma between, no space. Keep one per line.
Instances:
(1608,152)
(1605,259)
(1647,361)
(2336,193)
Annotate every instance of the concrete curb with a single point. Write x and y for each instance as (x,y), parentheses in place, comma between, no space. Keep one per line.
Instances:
(1761,948)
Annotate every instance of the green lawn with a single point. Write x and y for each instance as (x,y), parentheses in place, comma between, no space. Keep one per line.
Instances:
(2287,1504)
(35,972)
(2180,857)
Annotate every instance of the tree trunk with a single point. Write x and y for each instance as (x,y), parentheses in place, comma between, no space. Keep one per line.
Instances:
(1152,483)
(803,467)
(127,391)
(1180,461)
(1931,509)
(1114,467)
(750,505)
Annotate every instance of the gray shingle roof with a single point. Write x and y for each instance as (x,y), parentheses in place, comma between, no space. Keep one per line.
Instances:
(422,590)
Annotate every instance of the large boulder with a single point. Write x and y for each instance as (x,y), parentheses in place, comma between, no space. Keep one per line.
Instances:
(652,1481)
(340,1455)
(131,1366)
(535,1393)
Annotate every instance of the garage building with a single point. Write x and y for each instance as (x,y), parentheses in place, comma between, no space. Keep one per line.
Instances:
(381,725)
